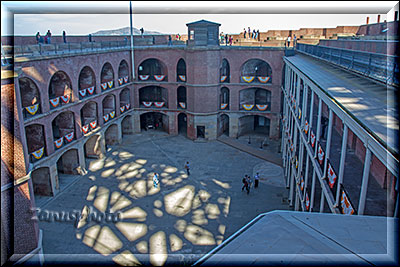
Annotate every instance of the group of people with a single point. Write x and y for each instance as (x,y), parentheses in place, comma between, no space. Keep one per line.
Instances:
(43,39)
(289,39)
(247,182)
(225,39)
(251,34)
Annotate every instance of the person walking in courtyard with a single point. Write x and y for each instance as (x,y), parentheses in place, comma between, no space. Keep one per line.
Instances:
(226,39)
(169,40)
(256,180)
(187,167)
(294,41)
(155,180)
(230,40)
(244,33)
(244,181)
(288,41)
(258,35)
(249,182)
(141,31)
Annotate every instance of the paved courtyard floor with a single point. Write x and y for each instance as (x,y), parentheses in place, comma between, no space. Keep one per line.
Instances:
(176,223)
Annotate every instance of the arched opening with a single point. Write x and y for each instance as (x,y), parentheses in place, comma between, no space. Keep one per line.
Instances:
(182,124)
(124,100)
(256,71)
(123,73)
(92,147)
(35,141)
(255,99)
(86,82)
(223,125)
(111,135)
(89,117)
(63,129)
(153,69)
(60,89)
(181,97)
(67,167)
(30,97)
(154,121)
(224,98)
(108,104)
(225,71)
(41,182)
(107,76)
(126,126)
(181,71)
(254,124)
(153,96)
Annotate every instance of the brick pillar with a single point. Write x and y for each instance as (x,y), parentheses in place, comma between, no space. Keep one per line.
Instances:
(233,126)
(19,233)
(55,186)
(136,122)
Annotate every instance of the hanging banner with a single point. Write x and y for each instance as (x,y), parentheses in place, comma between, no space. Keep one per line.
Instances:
(299,113)
(248,79)
(120,81)
(262,107)
(224,105)
(110,84)
(126,79)
(104,85)
(58,143)
(248,107)
(65,98)
(32,109)
(90,90)
(307,202)
(182,104)
(159,78)
(147,104)
(144,77)
(122,109)
(128,106)
(306,127)
(69,136)
(55,101)
(291,147)
(263,79)
(182,77)
(159,104)
(297,162)
(82,93)
(112,114)
(93,124)
(38,154)
(106,117)
(223,78)
(331,175)
(302,184)
(312,139)
(85,128)
(345,204)
(320,154)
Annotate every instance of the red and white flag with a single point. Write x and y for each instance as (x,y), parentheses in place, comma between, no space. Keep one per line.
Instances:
(331,176)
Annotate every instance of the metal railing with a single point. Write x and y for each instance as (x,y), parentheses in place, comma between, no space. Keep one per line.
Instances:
(64,48)
(381,67)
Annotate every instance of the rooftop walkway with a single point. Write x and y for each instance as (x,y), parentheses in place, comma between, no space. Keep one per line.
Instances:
(292,238)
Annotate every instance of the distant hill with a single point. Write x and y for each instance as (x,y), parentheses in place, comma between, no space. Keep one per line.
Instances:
(125,31)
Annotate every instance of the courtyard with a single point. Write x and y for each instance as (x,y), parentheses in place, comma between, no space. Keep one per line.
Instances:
(176,223)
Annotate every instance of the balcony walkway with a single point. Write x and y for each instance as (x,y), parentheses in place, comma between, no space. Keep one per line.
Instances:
(372,104)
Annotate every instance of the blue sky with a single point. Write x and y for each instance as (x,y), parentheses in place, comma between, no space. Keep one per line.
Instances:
(157,16)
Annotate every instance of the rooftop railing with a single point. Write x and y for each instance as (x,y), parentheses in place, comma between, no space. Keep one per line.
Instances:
(380,67)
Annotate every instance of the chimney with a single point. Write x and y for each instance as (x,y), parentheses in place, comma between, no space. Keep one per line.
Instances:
(367,20)
(379,18)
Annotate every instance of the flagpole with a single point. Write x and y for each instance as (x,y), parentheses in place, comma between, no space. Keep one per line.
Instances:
(132,58)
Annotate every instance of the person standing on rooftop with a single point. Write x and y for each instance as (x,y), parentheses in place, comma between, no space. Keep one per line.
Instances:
(48,37)
(244,33)
(64,37)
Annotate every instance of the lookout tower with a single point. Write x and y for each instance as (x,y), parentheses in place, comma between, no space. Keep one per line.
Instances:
(203,33)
